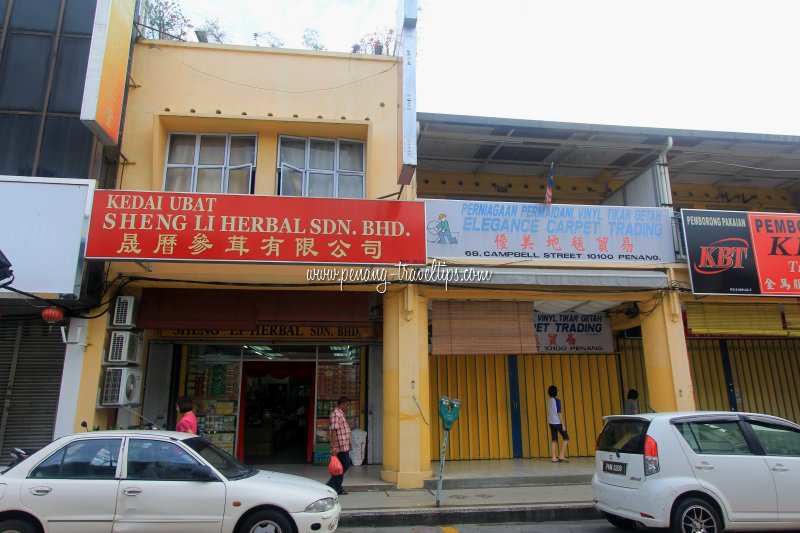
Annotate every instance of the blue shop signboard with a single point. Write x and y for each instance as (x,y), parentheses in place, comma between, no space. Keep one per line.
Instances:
(519,231)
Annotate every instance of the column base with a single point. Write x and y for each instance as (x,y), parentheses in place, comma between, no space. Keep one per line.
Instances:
(406,480)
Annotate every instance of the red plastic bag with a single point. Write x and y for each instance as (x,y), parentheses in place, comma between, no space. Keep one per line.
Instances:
(335,466)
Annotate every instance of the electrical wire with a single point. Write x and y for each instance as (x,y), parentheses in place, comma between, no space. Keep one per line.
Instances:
(8,287)
(272,89)
(420,411)
(673,165)
(176,37)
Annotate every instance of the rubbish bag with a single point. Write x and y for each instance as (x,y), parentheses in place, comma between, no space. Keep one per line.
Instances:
(358,439)
(335,466)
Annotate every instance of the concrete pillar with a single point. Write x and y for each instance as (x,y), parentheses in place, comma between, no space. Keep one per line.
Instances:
(406,412)
(666,360)
(75,335)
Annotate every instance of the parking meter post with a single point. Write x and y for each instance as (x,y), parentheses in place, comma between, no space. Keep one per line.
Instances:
(441,468)
(448,412)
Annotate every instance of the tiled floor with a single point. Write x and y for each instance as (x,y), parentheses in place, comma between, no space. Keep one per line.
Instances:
(498,472)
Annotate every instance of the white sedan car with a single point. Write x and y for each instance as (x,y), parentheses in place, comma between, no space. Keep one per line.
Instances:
(699,472)
(156,482)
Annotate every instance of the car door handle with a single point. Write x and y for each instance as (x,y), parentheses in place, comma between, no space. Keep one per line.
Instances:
(41,491)
(778,468)
(704,466)
(132,491)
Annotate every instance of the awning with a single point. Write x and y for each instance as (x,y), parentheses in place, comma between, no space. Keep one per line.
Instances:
(531,277)
(629,279)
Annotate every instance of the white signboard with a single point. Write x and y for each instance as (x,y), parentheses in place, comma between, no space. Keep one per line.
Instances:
(519,231)
(573,333)
(43,225)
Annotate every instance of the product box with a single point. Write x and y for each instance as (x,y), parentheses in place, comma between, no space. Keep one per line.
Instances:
(322,454)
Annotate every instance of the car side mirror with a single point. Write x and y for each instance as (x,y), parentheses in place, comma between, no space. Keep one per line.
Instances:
(203,473)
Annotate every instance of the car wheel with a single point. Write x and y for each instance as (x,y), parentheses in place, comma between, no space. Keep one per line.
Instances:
(266,521)
(16,526)
(621,523)
(694,515)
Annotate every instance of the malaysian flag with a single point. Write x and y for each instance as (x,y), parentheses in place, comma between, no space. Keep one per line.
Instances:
(548,195)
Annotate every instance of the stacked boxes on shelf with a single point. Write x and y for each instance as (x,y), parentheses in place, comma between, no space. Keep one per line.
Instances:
(333,382)
(215,388)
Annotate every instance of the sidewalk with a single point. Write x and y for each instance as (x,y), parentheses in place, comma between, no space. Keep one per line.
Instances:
(513,490)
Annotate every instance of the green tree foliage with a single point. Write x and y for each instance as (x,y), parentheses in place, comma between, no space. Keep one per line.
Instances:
(213,31)
(269,39)
(163,19)
(311,40)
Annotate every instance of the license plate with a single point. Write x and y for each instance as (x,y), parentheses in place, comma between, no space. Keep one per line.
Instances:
(612,467)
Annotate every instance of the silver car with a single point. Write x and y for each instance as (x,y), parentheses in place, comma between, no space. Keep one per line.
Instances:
(699,471)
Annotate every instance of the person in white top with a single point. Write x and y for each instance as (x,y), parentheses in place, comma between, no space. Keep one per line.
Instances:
(557,426)
(632,403)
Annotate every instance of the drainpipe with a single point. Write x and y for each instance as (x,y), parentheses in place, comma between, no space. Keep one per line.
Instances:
(664,189)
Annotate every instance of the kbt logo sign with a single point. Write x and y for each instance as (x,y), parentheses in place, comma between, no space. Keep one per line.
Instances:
(722,255)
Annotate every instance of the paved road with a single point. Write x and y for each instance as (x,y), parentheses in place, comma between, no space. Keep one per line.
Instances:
(582,526)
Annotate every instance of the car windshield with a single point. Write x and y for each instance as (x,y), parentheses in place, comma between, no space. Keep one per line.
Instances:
(623,436)
(229,466)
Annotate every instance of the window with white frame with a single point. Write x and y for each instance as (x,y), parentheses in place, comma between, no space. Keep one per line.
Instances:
(320,167)
(210,162)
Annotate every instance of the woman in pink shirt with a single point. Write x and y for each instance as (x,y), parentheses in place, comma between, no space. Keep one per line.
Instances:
(188,422)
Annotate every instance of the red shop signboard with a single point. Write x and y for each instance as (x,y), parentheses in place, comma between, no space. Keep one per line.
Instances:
(162,226)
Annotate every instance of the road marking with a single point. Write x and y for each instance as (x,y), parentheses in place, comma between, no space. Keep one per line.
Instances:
(448,529)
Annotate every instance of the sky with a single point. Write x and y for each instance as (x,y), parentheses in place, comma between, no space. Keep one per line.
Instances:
(726,65)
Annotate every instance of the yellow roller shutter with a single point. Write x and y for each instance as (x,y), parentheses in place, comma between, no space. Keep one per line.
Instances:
(791,312)
(735,319)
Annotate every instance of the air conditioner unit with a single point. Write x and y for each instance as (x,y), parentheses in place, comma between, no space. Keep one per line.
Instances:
(122,386)
(125,347)
(125,309)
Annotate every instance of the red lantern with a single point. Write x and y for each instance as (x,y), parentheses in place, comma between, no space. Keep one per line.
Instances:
(51,315)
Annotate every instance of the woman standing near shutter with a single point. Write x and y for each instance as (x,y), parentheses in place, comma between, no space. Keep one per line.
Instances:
(557,426)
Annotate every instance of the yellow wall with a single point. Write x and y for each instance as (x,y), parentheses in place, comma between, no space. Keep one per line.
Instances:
(237,89)
(196,88)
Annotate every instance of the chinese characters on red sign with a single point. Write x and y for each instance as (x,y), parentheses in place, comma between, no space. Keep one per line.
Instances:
(152,226)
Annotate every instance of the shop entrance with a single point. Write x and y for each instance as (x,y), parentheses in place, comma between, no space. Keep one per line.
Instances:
(278,412)
(269,404)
